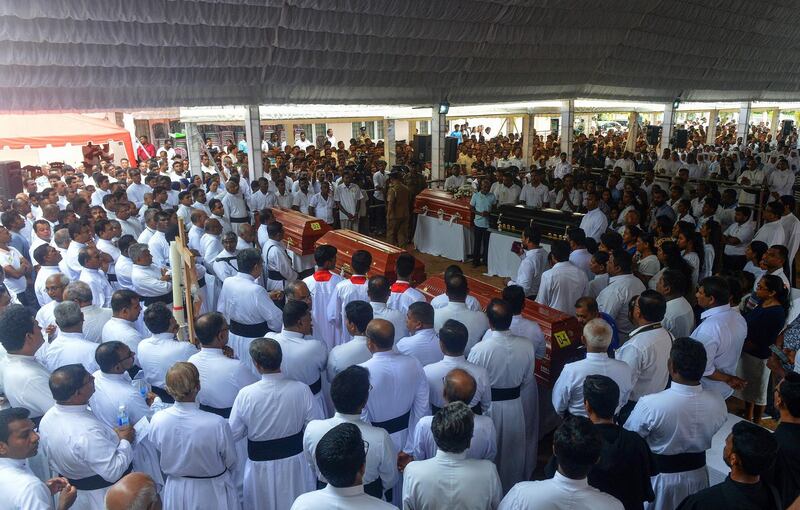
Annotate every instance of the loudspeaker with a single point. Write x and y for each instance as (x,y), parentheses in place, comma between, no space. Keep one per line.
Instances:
(681,138)
(653,134)
(422,148)
(10,179)
(788,125)
(450,149)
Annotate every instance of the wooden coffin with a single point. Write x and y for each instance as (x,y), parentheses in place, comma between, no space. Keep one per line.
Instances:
(431,201)
(384,255)
(552,223)
(562,332)
(300,231)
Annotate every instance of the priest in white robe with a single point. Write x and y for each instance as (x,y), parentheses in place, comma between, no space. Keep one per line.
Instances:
(403,293)
(94,277)
(151,282)
(378,292)
(126,307)
(422,342)
(357,314)
(70,346)
(322,286)
(346,291)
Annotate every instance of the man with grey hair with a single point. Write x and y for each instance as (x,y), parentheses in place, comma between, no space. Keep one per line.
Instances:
(297,291)
(429,483)
(154,284)
(94,317)
(224,265)
(134,491)
(54,285)
(568,390)
(70,346)
(149,226)
(61,242)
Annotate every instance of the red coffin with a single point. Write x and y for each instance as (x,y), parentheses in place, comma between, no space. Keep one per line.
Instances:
(562,332)
(300,231)
(384,255)
(430,201)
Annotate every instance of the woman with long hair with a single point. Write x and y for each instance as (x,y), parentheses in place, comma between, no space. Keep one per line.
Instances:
(647,264)
(754,253)
(670,257)
(691,245)
(711,231)
(764,324)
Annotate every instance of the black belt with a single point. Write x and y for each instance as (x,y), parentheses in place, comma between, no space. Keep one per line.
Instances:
(202,477)
(242,219)
(373,488)
(274,449)
(164,298)
(679,462)
(225,412)
(201,282)
(95,482)
(501,394)
(395,424)
(275,275)
(112,277)
(249,330)
(316,386)
(475,410)
(163,395)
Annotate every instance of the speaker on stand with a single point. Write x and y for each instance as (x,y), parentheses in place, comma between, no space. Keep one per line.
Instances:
(681,139)
(422,148)
(11,179)
(653,134)
(450,149)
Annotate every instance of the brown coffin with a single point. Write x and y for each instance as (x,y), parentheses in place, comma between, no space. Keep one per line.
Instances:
(431,201)
(562,332)
(300,231)
(384,255)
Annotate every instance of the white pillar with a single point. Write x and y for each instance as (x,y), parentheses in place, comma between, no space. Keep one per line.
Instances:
(666,126)
(252,129)
(389,143)
(438,132)
(711,131)
(774,122)
(528,133)
(743,126)
(567,126)
(194,144)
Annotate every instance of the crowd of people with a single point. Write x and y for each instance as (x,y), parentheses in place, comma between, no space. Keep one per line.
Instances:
(305,389)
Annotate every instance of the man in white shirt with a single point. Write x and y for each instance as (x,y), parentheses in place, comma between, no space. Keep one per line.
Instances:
(736,238)
(210,244)
(622,286)
(48,259)
(533,264)
(442,300)
(577,445)
(126,307)
(563,167)
(476,322)
(302,197)
(303,142)
(428,483)
(276,260)
(349,393)
(80,233)
(321,205)
(154,284)
(679,315)
(357,314)
(594,222)
(781,181)
(341,459)
(263,198)
(791,229)
(722,331)
(378,293)
(771,232)
(456,180)
(224,264)
(679,424)
(568,389)
(403,294)
(88,453)
(535,194)
(562,284)
(94,277)
(234,205)
(347,196)
(346,291)
(422,342)
(158,244)
(507,192)
(70,346)
(136,190)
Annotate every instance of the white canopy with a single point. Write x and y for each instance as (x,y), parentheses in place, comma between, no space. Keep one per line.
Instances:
(93,54)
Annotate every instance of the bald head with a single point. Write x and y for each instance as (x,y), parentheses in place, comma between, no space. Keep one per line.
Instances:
(135,491)
(380,334)
(459,386)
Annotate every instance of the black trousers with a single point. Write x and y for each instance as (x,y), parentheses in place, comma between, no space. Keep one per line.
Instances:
(480,245)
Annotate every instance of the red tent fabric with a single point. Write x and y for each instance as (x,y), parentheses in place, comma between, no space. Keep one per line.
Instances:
(37,131)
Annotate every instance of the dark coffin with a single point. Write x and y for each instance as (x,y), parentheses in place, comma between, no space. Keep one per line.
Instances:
(430,201)
(300,231)
(562,332)
(552,223)
(384,255)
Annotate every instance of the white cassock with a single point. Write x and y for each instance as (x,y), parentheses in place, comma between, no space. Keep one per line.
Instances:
(381,463)
(509,360)
(278,265)
(42,275)
(98,282)
(322,285)
(594,224)
(422,345)
(436,372)
(442,300)
(94,320)
(113,390)
(158,353)
(475,321)
(20,489)
(210,246)
(130,227)
(45,317)
(159,249)
(561,286)
(197,452)
(350,353)
(185,212)
(69,348)
(124,268)
(451,480)
(195,233)
(83,449)
(304,360)
(271,415)
(71,259)
(403,294)
(482,446)
(722,331)
(555,493)
(396,317)
(224,266)
(568,389)
(145,236)
(679,420)
(146,281)
(345,292)
(531,267)
(112,251)
(122,330)
(250,313)
(335,498)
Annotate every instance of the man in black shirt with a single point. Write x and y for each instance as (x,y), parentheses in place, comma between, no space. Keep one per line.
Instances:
(786,476)
(749,451)
(625,464)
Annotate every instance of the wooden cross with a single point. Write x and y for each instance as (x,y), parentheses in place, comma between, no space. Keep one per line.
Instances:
(185,309)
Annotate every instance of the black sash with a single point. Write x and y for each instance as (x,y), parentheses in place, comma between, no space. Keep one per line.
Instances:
(242,219)
(395,424)
(502,394)
(249,330)
(163,395)
(475,410)
(201,282)
(679,462)
(271,273)
(95,482)
(274,449)
(203,477)
(316,386)
(219,411)
(164,298)
(112,277)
